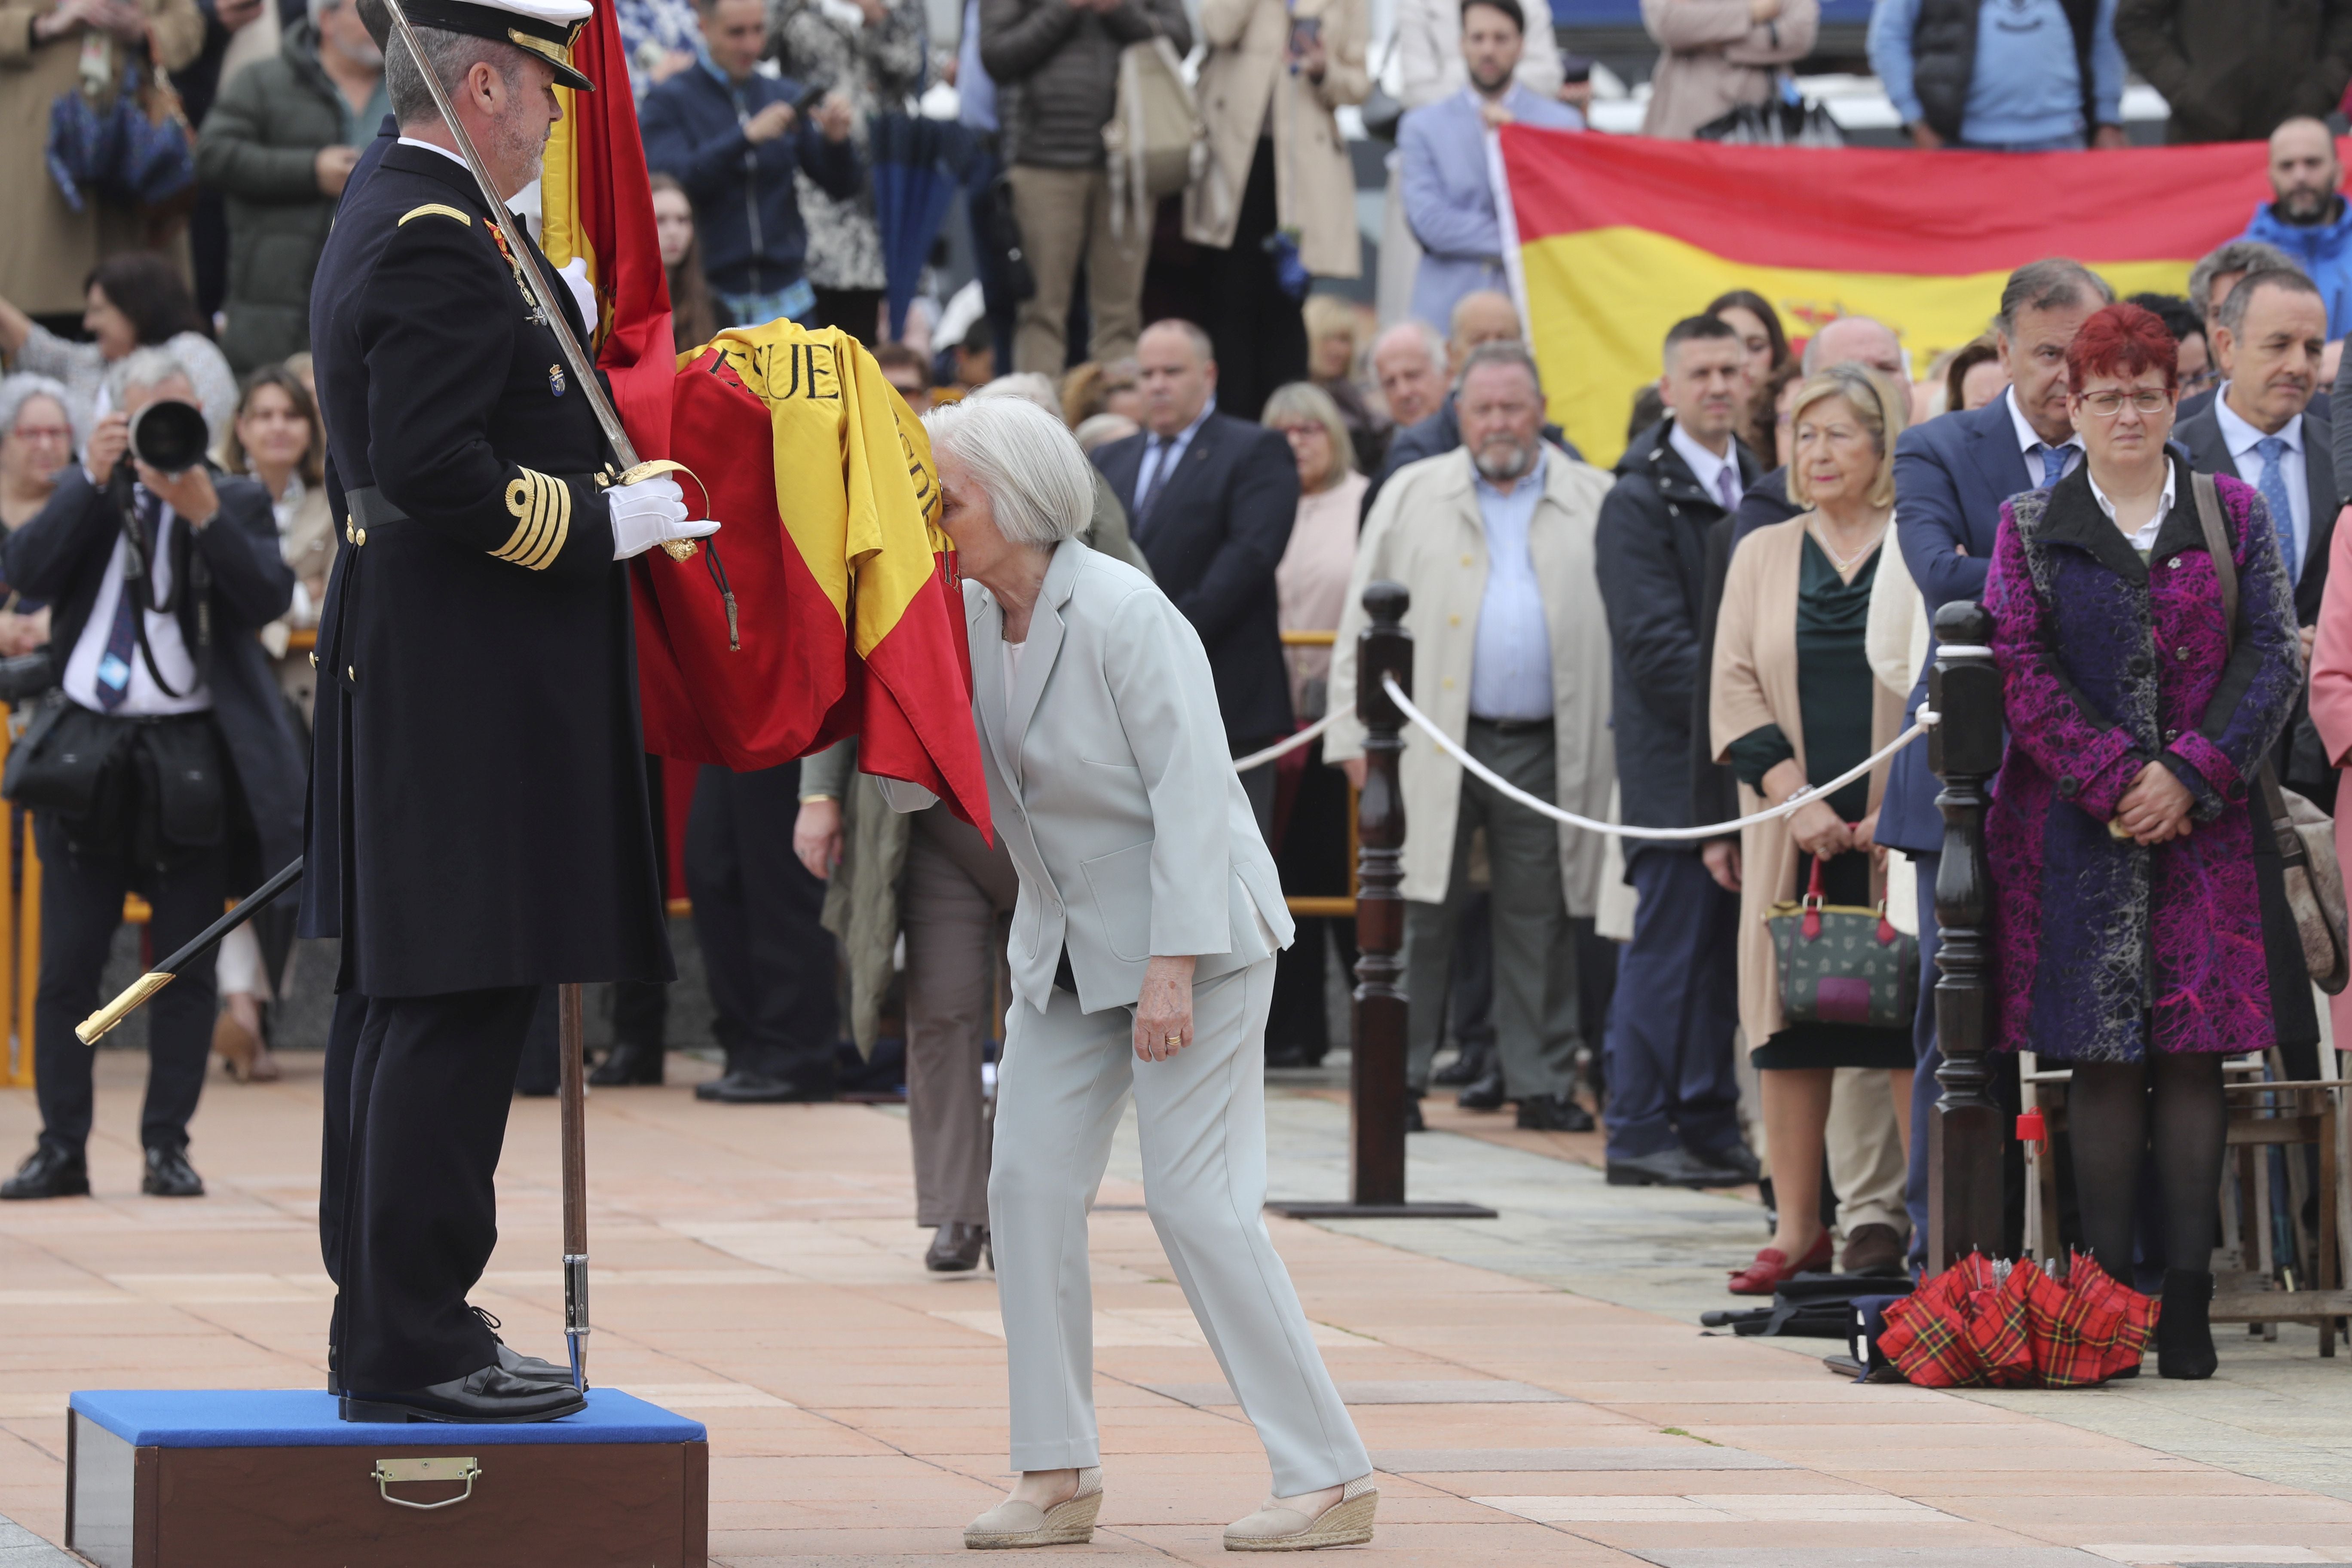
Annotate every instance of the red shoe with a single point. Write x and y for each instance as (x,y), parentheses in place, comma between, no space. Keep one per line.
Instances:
(1772,1269)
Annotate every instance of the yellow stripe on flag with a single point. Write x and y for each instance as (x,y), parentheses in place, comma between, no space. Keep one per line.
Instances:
(1600,302)
(560,233)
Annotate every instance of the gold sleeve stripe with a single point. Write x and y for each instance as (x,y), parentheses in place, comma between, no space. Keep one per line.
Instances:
(541,507)
(436,209)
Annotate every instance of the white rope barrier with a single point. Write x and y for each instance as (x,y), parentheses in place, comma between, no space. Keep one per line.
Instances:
(1927,721)
(1280,748)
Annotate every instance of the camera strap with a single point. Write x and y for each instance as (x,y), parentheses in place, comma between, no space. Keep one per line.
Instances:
(138,581)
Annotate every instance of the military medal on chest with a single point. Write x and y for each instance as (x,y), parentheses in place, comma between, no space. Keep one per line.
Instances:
(555,379)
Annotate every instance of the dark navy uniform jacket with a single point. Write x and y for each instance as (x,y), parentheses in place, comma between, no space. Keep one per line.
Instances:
(477,812)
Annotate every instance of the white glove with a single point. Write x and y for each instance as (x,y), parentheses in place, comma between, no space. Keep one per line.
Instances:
(648,512)
(575,274)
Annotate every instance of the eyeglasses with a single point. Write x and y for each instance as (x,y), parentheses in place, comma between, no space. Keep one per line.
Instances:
(2108,404)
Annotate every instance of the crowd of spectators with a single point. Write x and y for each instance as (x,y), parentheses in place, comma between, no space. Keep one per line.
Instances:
(1734,613)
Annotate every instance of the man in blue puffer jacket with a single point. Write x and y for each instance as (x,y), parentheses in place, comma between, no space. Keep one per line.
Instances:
(733,138)
(2310,220)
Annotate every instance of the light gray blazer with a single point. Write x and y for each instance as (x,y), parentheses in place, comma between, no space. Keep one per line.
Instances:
(1110,778)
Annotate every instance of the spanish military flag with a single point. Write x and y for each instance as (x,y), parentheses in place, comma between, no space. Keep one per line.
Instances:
(847,615)
(1617,238)
(596,206)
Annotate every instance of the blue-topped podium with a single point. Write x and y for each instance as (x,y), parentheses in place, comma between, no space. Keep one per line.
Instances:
(257,1479)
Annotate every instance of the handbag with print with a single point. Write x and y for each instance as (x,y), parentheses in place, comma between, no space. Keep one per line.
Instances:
(1843,965)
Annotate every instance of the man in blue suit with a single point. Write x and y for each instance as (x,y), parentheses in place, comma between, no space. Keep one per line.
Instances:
(1952,474)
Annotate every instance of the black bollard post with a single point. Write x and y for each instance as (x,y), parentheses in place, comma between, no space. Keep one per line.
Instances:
(1964,1136)
(1377,1093)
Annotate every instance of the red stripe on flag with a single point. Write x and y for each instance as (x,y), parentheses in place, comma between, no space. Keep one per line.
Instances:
(1856,209)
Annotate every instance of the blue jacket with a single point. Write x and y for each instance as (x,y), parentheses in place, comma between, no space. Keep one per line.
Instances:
(2024,79)
(1449,198)
(2324,251)
(1952,474)
(745,212)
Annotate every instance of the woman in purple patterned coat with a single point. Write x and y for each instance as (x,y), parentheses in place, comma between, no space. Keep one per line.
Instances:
(2127,917)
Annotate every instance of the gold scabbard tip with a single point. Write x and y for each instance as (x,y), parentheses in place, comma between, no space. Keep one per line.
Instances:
(90,1029)
(678,549)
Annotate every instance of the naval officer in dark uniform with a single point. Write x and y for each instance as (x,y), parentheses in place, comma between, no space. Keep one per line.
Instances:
(478,825)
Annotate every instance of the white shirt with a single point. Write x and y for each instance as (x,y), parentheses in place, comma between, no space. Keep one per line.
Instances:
(1013,651)
(143,696)
(453,157)
(2295,528)
(1510,653)
(2029,443)
(2143,539)
(1164,453)
(1705,466)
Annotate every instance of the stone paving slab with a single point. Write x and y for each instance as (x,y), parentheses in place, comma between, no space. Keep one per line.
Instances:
(757,1268)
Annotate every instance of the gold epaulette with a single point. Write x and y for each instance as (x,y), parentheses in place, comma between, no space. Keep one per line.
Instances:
(437,209)
(542,506)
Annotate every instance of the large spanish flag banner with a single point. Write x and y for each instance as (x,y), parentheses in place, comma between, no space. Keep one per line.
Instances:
(1617,238)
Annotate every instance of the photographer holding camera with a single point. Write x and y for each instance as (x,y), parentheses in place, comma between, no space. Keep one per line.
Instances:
(165,763)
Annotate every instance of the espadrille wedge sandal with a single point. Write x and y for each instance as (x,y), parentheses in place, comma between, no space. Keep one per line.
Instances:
(1278,1527)
(1012,1523)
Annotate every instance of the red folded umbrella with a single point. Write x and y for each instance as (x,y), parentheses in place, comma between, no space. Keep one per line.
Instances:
(2087,1329)
(1926,1335)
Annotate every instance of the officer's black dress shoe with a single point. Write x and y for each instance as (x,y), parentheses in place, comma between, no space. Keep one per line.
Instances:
(1674,1167)
(538,1368)
(1487,1094)
(492,1394)
(741,1087)
(956,1248)
(48,1172)
(624,1066)
(169,1174)
(1553,1113)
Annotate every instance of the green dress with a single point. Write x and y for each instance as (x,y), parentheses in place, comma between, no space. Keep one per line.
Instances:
(1837,693)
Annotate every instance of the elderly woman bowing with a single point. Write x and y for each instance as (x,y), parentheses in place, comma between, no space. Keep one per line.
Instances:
(1142,957)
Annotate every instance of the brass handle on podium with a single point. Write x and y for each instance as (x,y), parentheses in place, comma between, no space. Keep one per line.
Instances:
(390,1472)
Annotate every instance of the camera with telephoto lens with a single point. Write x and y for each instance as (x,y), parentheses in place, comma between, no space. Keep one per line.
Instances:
(169,436)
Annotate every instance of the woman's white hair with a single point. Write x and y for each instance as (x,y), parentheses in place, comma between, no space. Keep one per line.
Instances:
(15,390)
(1038,481)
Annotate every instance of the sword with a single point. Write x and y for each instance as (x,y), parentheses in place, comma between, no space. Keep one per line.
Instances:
(527,264)
(135,995)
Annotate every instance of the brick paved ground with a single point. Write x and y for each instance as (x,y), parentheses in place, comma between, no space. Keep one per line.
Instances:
(757,1268)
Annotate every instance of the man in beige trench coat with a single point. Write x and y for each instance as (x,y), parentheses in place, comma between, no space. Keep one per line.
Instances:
(1511,656)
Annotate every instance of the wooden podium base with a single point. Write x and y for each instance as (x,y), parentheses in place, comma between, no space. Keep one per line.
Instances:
(1380,1211)
(236,1478)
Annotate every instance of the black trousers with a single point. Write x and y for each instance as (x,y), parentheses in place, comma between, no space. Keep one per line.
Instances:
(416,1094)
(81,906)
(1259,335)
(770,962)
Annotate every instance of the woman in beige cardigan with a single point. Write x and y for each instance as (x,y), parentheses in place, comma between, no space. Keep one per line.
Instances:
(1268,86)
(1795,703)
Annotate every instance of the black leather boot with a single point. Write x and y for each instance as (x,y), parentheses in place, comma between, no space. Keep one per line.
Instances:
(1486,1093)
(2184,1334)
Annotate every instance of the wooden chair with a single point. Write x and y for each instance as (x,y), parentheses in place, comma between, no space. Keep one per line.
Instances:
(2252,1284)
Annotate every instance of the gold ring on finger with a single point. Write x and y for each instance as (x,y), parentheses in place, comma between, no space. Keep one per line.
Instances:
(1175,1039)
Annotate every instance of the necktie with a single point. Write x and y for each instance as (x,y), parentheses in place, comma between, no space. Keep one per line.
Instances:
(2273,484)
(1165,450)
(122,637)
(2054,464)
(1727,488)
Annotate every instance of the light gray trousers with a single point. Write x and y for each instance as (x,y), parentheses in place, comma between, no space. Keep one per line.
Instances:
(1200,1115)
